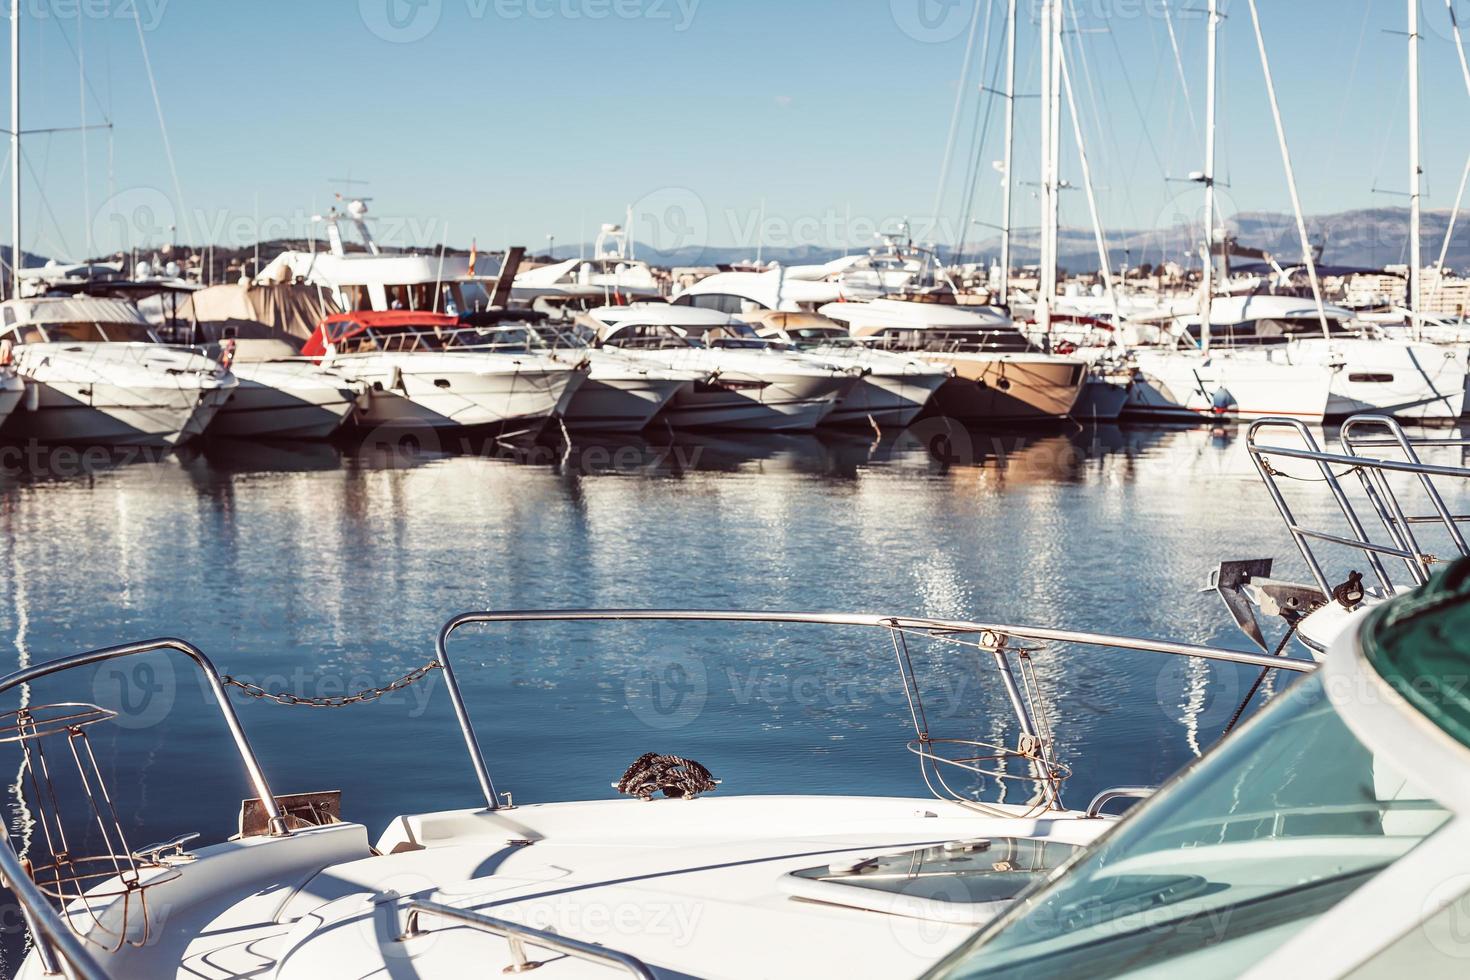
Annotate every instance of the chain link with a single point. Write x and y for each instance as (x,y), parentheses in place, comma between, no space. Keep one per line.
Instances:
(361,697)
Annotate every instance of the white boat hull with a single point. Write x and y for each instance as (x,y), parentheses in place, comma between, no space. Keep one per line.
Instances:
(460,391)
(285,401)
(1188,386)
(12,390)
(797,403)
(886,400)
(619,404)
(108,415)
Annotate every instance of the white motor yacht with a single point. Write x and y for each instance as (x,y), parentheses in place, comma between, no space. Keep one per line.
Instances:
(620,393)
(998,376)
(1268,357)
(893,388)
(423,369)
(611,275)
(748,383)
(96,374)
(283,395)
(12,387)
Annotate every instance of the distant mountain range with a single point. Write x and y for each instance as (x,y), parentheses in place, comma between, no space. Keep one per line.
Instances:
(1370,237)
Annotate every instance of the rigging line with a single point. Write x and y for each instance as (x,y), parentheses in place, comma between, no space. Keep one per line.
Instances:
(45,203)
(162,126)
(77,57)
(1296,202)
(1179,65)
(961,91)
(1347,90)
(986,109)
(86,175)
(1137,106)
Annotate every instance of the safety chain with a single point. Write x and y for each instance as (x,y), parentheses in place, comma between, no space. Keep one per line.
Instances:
(1273,471)
(361,697)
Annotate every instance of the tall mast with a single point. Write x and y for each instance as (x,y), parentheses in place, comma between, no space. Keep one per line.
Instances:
(15,164)
(1207,284)
(1416,171)
(1010,158)
(1050,131)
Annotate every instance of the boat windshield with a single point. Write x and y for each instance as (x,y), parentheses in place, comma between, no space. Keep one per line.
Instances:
(650,337)
(87,332)
(1239,854)
(517,338)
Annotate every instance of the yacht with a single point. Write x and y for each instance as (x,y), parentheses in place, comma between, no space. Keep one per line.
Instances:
(96,373)
(1268,356)
(748,383)
(425,369)
(620,393)
(12,388)
(282,395)
(611,275)
(1322,838)
(892,389)
(998,375)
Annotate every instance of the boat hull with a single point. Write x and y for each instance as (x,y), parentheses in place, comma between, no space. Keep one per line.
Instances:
(1102,401)
(98,414)
(1187,386)
(290,402)
(886,400)
(619,404)
(449,399)
(778,403)
(1008,388)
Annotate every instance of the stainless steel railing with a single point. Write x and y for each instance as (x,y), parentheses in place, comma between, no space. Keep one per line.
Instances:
(892,624)
(518,936)
(1382,499)
(57,946)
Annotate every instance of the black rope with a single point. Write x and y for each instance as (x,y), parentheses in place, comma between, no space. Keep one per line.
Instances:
(1251,694)
(675,777)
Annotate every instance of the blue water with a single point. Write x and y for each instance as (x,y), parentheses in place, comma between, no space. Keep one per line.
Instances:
(318,570)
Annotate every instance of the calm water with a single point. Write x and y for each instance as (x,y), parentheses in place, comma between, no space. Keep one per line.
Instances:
(318,570)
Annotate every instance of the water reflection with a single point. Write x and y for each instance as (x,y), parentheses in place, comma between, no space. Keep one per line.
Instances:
(320,569)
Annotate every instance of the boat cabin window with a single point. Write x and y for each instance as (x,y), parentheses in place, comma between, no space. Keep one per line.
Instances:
(1270,330)
(942,340)
(1251,845)
(650,336)
(726,303)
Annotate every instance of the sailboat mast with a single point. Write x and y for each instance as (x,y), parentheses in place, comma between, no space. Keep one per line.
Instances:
(1049,209)
(15,164)
(1010,157)
(1207,284)
(1416,172)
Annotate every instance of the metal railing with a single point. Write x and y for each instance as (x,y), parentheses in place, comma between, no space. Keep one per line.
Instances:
(517,936)
(1373,473)
(56,944)
(995,643)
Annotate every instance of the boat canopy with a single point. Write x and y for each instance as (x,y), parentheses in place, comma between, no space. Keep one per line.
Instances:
(336,330)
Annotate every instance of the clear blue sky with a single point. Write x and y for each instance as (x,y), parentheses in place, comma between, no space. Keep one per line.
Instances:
(507,120)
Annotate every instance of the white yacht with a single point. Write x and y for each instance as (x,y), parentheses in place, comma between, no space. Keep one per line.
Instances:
(1326,837)
(12,387)
(283,395)
(610,275)
(620,393)
(1268,357)
(893,388)
(96,373)
(998,375)
(423,369)
(747,382)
